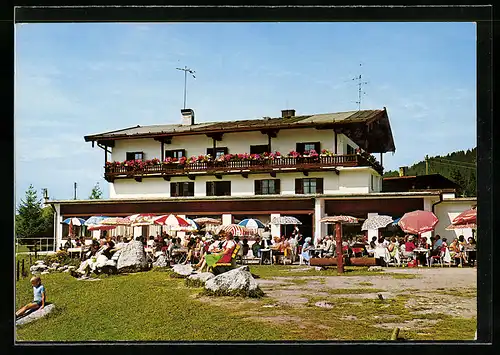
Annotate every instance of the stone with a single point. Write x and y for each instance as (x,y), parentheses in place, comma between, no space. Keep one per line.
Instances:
(55,265)
(375,268)
(45,272)
(318,268)
(38,268)
(39,262)
(323,304)
(203,277)
(71,267)
(37,314)
(234,282)
(161,261)
(67,270)
(132,258)
(61,268)
(183,270)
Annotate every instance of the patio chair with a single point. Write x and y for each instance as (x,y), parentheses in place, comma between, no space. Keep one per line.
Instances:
(224,264)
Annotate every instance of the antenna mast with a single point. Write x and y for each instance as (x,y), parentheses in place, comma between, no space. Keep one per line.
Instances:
(186,70)
(360,89)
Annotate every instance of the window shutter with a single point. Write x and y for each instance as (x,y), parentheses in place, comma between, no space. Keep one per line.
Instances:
(210,188)
(169,154)
(130,156)
(210,151)
(225,150)
(258,187)
(277,189)
(317,147)
(299,186)
(299,147)
(319,185)
(142,155)
(227,191)
(183,152)
(173,189)
(190,189)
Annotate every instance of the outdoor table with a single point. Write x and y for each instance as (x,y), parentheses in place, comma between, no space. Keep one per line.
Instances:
(262,252)
(468,251)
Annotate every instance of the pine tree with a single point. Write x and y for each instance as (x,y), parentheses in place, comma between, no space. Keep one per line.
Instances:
(457,177)
(30,220)
(96,193)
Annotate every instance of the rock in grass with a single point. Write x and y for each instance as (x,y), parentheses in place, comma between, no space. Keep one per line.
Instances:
(323,304)
(181,270)
(375,268)
(236,282)
(39,313)
(198,280)
(132,258)
(161,261)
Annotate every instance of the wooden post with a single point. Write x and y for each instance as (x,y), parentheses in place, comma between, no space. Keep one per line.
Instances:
(335,141)
(395,334)
(269,142)
(340,256)
(162,150)
(22,268)
(17,270)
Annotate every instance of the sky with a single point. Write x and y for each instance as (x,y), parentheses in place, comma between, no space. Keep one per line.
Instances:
(76,79)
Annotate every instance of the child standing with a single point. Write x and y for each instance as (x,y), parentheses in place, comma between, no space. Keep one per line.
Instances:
(38,297)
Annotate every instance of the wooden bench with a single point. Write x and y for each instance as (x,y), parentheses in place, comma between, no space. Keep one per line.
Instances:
(347,261)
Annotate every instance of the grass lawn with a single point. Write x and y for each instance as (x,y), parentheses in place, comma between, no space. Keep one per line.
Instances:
(153,306)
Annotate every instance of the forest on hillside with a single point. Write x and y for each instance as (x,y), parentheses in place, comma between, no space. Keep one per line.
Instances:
(459,166)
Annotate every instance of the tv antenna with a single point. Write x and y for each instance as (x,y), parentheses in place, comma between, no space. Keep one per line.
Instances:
(186,70)
(361,92)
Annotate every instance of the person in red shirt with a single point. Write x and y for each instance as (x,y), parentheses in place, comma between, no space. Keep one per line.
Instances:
(409,247)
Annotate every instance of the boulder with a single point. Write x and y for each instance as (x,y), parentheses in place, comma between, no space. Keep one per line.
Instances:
(37,314)
(38,268)
(39,262)
(161,261)
(71,267)
(375,268)
(45,272)
(61,268)
(132,258)
(182,270)
(55,265)
(236,282)
(200,278)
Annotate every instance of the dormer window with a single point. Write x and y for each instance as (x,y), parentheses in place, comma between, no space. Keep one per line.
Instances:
(135,155)
(219,151)
(306,147)
(178,153)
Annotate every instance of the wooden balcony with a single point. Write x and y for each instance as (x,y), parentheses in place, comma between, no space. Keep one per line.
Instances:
(244,167)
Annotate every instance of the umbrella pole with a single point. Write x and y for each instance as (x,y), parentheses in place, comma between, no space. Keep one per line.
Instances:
(340,257)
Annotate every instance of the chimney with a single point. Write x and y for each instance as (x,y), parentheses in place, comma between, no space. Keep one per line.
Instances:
(403,170)
(187,117)
(287,113)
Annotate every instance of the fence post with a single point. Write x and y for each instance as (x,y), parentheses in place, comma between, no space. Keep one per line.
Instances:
(17,270)
(22,269)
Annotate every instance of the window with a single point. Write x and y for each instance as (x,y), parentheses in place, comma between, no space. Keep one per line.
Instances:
(259,149)
(218,188)
(181,189)
(267,187)
(178,153)
(309,186)
(135,155)
(302,147)
(218,151)
(350,150)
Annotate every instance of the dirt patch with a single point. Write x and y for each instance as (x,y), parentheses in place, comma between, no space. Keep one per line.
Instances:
(408,325)
(296,321)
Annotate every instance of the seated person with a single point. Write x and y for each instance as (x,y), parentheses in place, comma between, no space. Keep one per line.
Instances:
(279,249)
(306,247)
(223,255)
(329,249)
(256,248)
(95,262)
(151,242)
(409,247)
(245,247)
(68,244)
(39,297)
(471,246)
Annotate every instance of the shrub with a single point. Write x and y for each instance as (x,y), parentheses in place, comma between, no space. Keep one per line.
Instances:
(61,257)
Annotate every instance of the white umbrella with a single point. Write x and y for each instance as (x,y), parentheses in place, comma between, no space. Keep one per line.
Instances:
(376,222)
(285,220)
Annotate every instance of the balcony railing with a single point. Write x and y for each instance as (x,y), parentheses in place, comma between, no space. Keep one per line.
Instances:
(243,166)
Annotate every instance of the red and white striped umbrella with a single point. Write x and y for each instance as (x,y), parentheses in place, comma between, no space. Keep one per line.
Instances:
(418,222)
(235,230)
(469,216)
(339,219)
(461,226)
(171,220)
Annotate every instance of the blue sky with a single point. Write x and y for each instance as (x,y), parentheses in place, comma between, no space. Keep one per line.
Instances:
(74,79)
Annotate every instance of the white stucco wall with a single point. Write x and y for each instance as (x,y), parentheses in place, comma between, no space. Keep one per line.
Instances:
(351,180)
(235,142)
(446,211)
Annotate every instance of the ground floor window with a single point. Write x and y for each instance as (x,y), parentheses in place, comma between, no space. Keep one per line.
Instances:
(218,188)
(267,187)
(181,189)
(309,186)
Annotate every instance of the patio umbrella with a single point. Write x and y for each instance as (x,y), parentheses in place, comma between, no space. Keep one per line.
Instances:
(207,220)
(71,227)
(100,227)
(461,226)
(466,217)
(339,220)
(74,220)
(116,221)
(171,220)
(285,220)
(418,222)
(190,228)
(94,220)
(395,222)
(251,223)
(235,230)
(376,222)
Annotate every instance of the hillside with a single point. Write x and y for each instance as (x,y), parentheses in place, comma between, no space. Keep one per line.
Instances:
(459,167)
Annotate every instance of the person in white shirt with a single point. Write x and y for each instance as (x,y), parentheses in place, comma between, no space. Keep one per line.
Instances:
(266,237)
(329,248)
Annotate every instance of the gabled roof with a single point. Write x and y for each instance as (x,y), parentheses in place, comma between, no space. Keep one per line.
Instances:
(370,125)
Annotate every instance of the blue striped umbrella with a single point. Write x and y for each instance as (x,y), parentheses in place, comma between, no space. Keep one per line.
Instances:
(251,223)
(76,221)
(95,220)
(396,221)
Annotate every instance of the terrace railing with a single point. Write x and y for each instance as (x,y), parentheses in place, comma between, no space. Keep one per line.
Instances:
(300,163)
